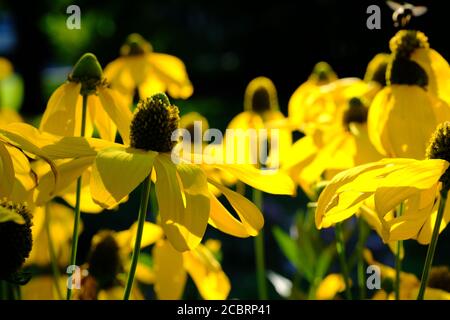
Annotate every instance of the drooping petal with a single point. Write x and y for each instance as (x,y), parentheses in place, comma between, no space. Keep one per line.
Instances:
(118,111)
(221,219)
(69,171)
(205,270)
(437,69)
(170,276)
(425,233)
(61,112)
(183,200)
(87,204)
(329,200)
(49,146)
(172,72)
(6,171)
(393,118)
(118,171)
(250,216)
(25,179)
(103,123)
(274,182)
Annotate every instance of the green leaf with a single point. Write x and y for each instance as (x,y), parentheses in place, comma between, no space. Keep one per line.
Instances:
(9,215)
(292,252)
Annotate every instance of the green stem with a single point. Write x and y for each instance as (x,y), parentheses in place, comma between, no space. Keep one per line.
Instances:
(398,260)
(51,250)
(362,238)
(76,224)
(432,246)
(146,185)
(398,269)
(340,248)
(259,252)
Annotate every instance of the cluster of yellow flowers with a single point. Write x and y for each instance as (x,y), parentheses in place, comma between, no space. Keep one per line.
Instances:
(376,148)
(62,159)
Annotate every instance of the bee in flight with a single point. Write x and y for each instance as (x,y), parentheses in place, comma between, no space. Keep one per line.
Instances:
(403,12)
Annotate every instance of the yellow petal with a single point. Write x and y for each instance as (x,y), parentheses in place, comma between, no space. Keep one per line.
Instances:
(329,200)
(221,219)
(274,182)
(426,231)
(183,202)
(87,204)
(205,270)
(170,276)
(105,126)
(108,186)
(7,172)
(251,217)
(69,171)
(48,146)
(393,118)
(172,72)
(437,69)
(120,78)
(330,287)
(60,114)
(118,111)
(25,180)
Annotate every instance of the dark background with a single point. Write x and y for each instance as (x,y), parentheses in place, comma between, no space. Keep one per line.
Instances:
(224,45)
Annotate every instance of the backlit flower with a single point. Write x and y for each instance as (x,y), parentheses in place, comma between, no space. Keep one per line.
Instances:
(150,72)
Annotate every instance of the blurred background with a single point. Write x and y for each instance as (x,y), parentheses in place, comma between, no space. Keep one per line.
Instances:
(224,45)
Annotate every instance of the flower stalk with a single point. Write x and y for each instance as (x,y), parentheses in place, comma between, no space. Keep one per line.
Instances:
(432,246)
(259,252)
(145,195)
(76,224)
(340,248)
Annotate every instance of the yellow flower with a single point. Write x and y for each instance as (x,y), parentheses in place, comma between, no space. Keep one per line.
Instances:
(106,110)
(150,72)
(181,189)
(409,283)
(322,154)
(18,179)
(409,100)
(108,262)
(171,266)
(261,111)
(388,183)
(299,111)
(413,45)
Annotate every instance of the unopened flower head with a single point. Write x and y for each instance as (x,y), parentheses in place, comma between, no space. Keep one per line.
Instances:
(261,96)
(15,239)
(153,123)
(135,44)
(356,111)
(406,41)
(89,73)
(323,73)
